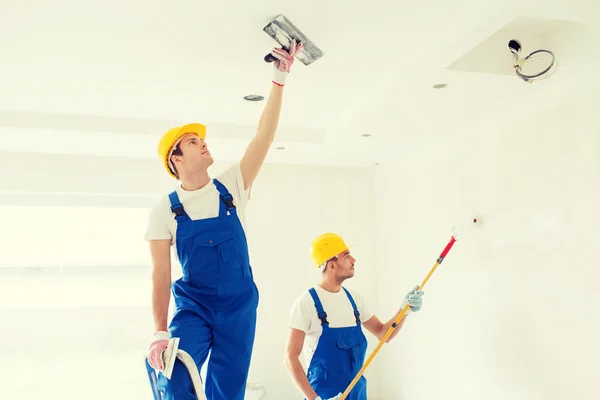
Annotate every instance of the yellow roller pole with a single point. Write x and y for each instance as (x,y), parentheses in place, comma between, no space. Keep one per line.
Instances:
(397,320)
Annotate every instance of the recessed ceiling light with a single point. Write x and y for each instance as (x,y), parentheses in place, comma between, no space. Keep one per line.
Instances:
(376,163)
(366,135)
(254,97)
(279,148)
(439,85)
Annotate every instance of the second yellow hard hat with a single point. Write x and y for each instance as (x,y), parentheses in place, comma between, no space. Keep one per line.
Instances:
(327,246)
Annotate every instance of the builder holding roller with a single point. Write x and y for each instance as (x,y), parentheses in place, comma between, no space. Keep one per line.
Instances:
(326,322)
(216,299)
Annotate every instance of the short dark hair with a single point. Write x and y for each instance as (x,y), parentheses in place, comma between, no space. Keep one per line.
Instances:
(176,152)
(334,258)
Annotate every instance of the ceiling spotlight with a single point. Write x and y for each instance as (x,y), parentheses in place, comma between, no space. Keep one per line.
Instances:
(366,135)
(254,97)
(439,86)
(279,148)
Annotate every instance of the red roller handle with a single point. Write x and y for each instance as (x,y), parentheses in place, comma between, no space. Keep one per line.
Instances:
(448,247)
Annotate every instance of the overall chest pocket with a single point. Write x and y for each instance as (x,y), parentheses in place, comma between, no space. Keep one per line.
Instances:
(352,349)
(219,246)
(347,341)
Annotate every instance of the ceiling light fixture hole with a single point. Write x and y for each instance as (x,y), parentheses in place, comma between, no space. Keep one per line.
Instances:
(254,97)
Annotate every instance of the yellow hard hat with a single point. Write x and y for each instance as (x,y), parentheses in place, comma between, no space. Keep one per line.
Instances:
(171,138)
(325,247)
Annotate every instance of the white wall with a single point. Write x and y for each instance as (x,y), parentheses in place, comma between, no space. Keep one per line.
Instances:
(298,204)
(513,311)
(90,314)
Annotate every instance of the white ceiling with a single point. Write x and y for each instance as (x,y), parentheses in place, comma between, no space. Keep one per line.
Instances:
(107,78)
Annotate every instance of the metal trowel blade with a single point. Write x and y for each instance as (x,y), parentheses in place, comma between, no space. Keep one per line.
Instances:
(283,31)
(170,356)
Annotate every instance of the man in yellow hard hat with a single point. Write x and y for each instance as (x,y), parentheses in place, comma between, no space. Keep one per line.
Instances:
(205,219)
(326,324)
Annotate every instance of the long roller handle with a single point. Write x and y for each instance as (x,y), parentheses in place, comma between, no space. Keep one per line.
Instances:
(397,320)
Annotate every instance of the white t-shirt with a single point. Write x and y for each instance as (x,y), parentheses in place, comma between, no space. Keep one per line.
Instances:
(339,314)
(198,204)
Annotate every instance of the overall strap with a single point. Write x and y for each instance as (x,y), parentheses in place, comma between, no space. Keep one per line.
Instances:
(226,197)
(320,312)
(356,313)
(177,207)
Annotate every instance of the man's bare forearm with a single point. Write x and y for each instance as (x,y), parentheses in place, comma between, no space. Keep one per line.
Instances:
(161,282)
(259,146)
(267,125)
(161,296)
(388,324)
(298,375)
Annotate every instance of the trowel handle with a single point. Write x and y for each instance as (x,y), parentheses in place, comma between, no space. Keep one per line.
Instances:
(270,58)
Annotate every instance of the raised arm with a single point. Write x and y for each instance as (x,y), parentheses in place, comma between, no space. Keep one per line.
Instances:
(258,148)
(379,329)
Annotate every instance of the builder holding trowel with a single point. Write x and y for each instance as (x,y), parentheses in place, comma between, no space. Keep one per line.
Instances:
(216,299)
(326,323)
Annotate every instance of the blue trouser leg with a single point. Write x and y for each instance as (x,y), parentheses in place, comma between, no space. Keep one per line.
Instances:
(195,337)
(233,339)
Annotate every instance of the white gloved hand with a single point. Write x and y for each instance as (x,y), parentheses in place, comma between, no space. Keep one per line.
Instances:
(338,397)
(159,344)
(414,300)
(284,61)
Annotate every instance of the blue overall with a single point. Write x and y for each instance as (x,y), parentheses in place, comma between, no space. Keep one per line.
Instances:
(216,303)
(339,355)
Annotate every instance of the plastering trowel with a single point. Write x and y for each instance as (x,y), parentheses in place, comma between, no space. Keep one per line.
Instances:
(169,356)
(283,31)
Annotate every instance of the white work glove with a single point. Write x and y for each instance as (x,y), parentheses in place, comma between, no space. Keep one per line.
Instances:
(338,397)
(159,344)
(414,299)
(284,61)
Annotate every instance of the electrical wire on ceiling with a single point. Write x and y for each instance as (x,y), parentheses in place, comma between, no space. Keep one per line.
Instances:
(515,48)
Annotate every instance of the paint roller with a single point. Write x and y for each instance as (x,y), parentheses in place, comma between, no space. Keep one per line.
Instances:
(283,32)
(398,319)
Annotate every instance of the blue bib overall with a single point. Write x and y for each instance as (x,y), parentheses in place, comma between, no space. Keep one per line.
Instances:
(216,303)
(339,355)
